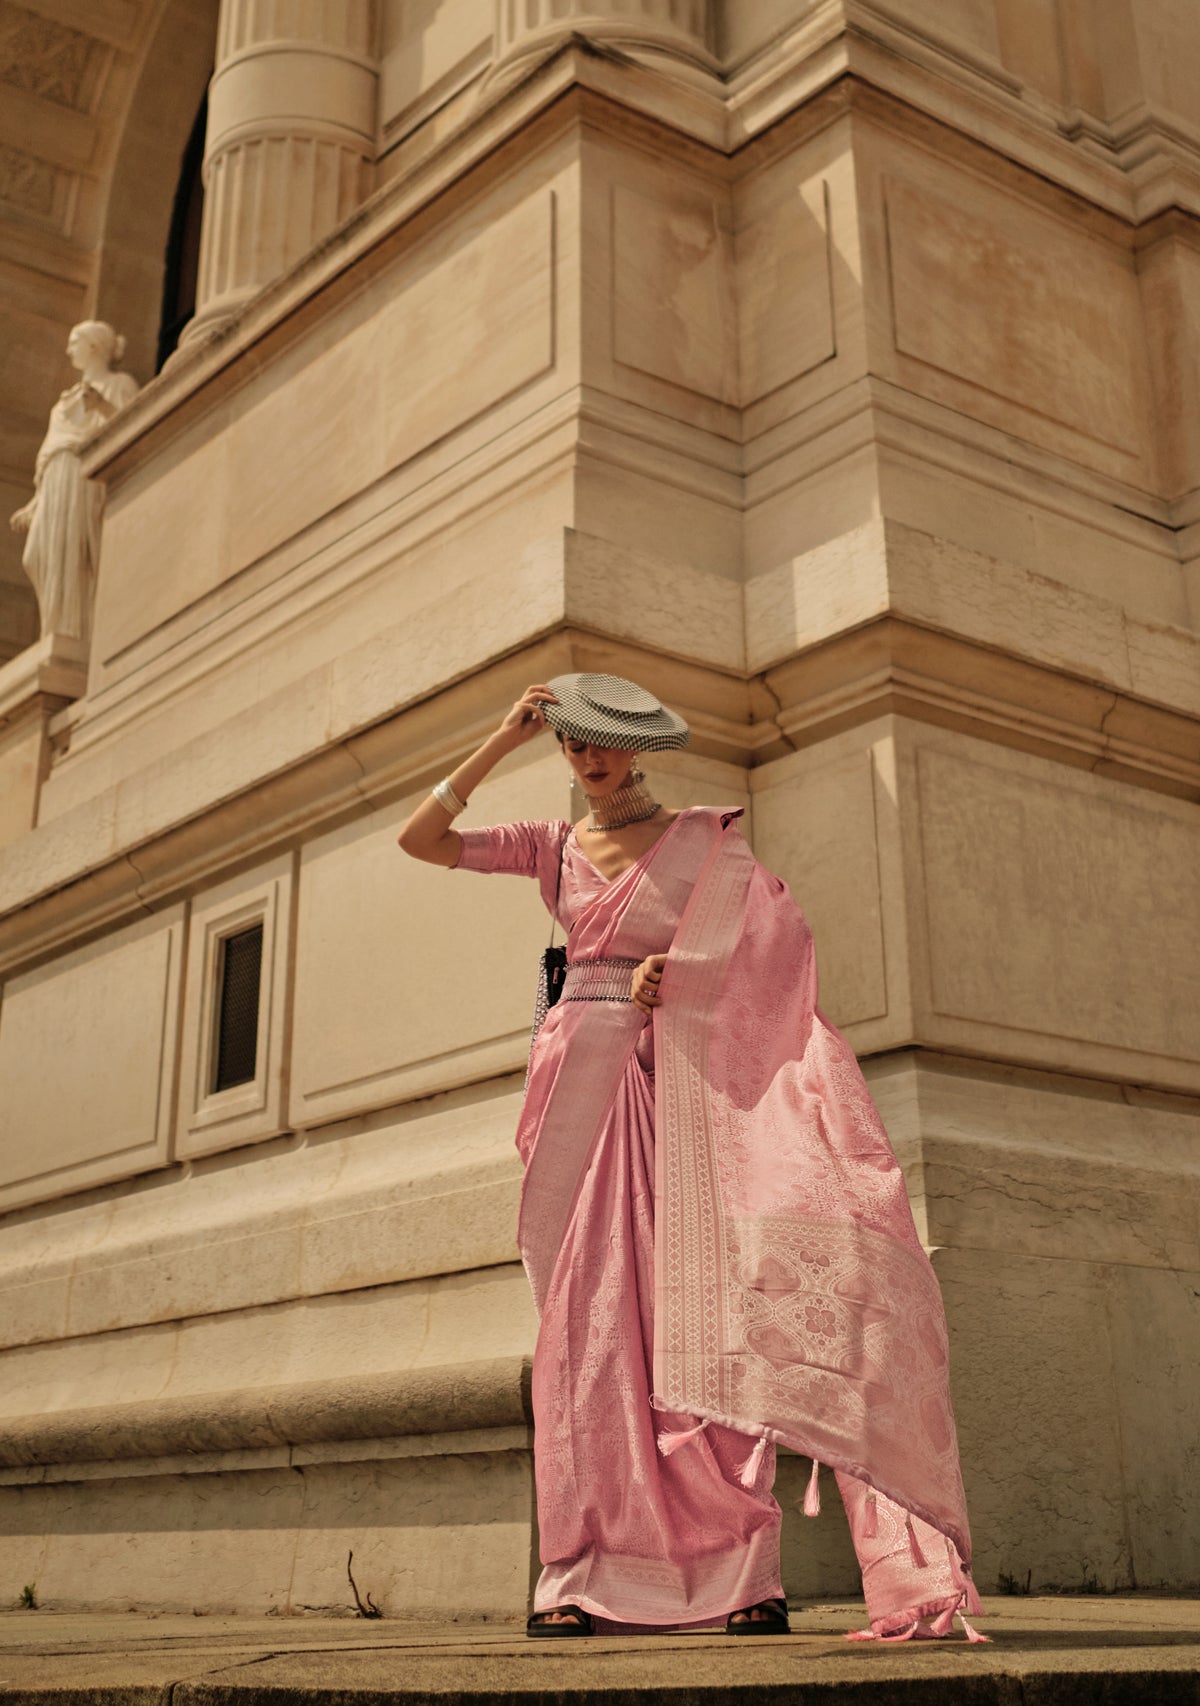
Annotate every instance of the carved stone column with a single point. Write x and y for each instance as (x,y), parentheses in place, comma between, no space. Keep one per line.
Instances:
(529,30)
(291,122)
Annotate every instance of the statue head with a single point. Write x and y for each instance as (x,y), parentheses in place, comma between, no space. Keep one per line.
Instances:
(94,343)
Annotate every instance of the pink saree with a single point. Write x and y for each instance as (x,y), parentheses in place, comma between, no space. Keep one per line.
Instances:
(723,1258)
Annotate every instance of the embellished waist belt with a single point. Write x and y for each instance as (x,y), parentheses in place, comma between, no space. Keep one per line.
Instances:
(599,980)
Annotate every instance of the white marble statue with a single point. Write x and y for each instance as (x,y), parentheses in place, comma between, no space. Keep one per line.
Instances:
(62,519)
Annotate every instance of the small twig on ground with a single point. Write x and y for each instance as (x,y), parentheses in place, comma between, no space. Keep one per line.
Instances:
(370,1609)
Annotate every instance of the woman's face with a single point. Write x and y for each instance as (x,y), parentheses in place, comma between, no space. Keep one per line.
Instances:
(601,769)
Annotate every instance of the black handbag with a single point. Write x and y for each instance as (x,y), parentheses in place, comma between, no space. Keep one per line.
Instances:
(552,972)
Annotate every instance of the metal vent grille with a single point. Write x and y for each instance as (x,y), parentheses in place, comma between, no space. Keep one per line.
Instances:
(238,979)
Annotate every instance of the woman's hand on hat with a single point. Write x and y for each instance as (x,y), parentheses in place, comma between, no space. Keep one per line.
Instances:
(526,718)
(643,986)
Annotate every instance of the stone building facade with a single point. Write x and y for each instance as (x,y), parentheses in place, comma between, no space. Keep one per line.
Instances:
(831,366)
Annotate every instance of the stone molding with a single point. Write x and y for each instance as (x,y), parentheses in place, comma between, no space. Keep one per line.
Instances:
(450,1398)
(888,666)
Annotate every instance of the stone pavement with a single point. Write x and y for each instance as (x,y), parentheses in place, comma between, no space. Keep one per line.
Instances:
(1137,1650)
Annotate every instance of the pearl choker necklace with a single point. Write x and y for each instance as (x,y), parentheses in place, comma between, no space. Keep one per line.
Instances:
(631,804)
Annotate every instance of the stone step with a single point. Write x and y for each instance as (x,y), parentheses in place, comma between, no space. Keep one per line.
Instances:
(1136,1650)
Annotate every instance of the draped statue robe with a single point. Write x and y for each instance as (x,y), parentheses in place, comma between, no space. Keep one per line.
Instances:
(723,1257)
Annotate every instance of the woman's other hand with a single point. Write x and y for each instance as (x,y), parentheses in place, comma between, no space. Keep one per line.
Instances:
(643,985)
(526,718)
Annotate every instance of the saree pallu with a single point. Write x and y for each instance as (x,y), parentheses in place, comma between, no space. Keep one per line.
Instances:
(723,1257)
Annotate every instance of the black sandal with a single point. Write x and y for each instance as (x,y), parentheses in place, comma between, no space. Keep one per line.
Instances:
(774,1623)
(536,1625)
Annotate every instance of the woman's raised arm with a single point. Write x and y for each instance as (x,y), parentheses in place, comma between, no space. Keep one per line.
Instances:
(427,834)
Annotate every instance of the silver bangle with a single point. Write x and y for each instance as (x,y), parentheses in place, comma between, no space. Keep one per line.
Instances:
(443,793)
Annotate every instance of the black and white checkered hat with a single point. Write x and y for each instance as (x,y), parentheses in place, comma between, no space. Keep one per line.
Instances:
(611,711)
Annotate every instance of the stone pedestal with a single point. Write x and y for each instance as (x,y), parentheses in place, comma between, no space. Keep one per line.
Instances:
(33,686)
(291,127)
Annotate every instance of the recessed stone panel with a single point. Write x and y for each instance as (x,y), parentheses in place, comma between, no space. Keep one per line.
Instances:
(673,304)
(1063,909)
(87,1060)
(785,290)
(467,328)
(1019,318)
(816,828)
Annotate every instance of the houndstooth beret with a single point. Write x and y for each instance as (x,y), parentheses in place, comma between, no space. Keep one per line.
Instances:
(611,711)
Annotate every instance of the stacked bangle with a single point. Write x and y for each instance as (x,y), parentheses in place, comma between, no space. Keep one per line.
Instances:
(443,793)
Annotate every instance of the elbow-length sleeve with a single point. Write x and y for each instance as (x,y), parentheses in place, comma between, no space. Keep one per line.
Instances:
(517,850)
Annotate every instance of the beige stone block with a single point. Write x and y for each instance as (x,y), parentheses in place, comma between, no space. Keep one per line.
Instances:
(815,826)
(422,1324)
(785,280)
(673,304)
(1043,1164)
(88,1062)
(968,22)
(1168,56)
(23,761)
(1155,1327)
(1027,530)
(668,604)
(950,586)
(309,441)
(836,585)
(1031,1368)
(412,978)
(211,1119)
(796,505)
(640,508)
(1032,47)
(424,52)
(744,30)
(468,306)
(1169,275)
(1164,664)
(1061,913)
(432,1531)
(165,540)
(1045,1203)
(430,1536)
(966,264)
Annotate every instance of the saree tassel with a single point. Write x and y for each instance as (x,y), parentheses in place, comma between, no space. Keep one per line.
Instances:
(914,1545)
(812,1493)
(905,1634)
(944,1621)
(748,1471)
(971,1634)
(870,1527)
(668,1443)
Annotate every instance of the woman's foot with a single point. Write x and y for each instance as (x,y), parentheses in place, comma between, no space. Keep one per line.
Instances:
(563,1620)
(768,1617)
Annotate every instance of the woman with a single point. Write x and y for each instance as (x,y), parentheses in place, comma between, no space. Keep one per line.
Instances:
(62,518)
(714,1225)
